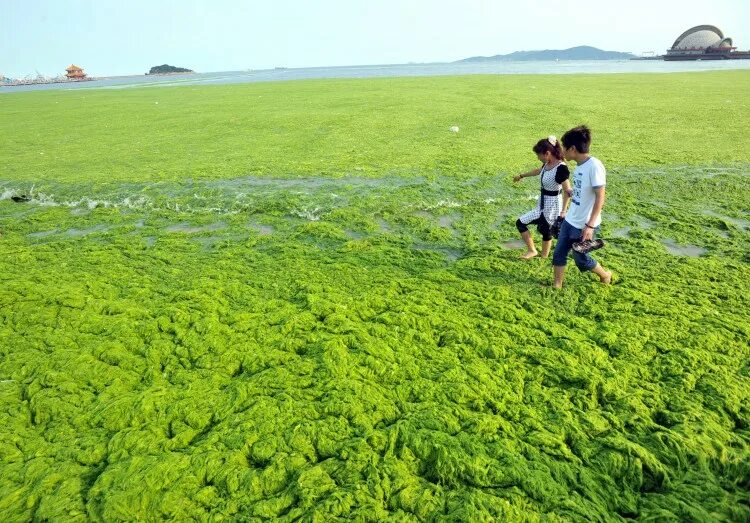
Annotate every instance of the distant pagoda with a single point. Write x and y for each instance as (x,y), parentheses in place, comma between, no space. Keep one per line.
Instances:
(75,72)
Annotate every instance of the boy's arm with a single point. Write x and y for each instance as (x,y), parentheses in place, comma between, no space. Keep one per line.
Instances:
(588,232)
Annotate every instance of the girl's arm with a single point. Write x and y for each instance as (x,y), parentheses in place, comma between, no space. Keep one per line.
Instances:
(567,193)
(533,172)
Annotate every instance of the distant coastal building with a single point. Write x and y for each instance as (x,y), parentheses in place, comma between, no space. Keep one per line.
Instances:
(75,73)
(704,42)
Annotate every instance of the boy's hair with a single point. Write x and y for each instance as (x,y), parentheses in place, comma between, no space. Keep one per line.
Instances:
(578,137)
(545,145)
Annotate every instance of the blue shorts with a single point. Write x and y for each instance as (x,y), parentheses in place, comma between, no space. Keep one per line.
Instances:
(568,236)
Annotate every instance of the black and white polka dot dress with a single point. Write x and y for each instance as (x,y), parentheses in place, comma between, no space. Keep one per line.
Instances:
(549,206)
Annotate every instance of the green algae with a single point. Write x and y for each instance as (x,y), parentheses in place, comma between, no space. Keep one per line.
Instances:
(316,348)
(369,127)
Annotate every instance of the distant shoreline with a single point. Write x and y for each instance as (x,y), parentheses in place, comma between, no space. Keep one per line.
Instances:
(49,81)
(572,67)
(46,81)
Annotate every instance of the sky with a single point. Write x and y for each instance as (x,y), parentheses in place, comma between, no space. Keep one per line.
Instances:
(122,37)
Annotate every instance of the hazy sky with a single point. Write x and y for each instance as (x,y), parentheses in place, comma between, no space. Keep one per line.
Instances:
(108,37)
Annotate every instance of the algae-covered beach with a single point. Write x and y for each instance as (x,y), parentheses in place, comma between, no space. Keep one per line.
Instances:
(303,301)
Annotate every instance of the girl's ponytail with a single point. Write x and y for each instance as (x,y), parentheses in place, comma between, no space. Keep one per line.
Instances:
(550,144)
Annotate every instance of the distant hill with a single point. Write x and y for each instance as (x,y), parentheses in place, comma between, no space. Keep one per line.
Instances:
(166,69)
(582,52)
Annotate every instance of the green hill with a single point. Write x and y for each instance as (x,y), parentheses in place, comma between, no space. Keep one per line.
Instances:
(166,69)
(583,52)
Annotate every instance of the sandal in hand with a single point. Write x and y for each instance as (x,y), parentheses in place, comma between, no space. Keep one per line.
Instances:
(588,246)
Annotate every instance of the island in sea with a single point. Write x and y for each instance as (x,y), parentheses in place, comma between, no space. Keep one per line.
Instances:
(582,52)
(168,69)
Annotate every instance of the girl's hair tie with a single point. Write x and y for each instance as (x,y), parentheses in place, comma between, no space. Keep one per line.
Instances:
(552,139)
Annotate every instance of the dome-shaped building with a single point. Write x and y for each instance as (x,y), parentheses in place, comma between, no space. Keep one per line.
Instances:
(703,42)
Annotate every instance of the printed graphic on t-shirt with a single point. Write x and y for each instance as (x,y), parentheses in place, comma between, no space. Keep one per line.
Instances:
(577,185)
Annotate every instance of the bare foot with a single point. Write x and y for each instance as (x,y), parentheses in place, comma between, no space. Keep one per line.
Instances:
(556,286)
(606,279)
(545,255)
(528,255)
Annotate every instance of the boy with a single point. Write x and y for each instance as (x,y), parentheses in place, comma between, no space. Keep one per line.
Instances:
(584,216)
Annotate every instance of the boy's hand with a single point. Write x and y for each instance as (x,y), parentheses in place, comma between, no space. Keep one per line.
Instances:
(588,234)
(517,178)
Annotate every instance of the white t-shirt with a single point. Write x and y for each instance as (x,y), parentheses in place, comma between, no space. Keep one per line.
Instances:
(587,176)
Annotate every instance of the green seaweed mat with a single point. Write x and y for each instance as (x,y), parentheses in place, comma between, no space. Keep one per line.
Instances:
(296,346)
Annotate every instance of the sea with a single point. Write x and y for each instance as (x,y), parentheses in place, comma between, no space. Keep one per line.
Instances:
(398,70)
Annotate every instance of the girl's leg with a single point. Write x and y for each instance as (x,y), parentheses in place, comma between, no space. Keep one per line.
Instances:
(546,247)
(530,247)
(544,230)
(527,239)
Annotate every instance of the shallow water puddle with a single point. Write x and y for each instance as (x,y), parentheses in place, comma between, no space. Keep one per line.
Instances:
(692,251)
(85,232)
(315,182)
(208,243)
(354,235)
(42,234)
(622,232)
(737,222)
(187,228)
(262,230)
(448,220)
(450,254)
(445,221)
(643,222)
(513,244)
(384,225)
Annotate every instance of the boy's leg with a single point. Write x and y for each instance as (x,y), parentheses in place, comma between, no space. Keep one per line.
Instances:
(559,276)
(604,276)
(585,262)
(560,257)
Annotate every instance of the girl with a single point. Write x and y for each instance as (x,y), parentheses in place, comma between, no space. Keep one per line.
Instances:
(554,180)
